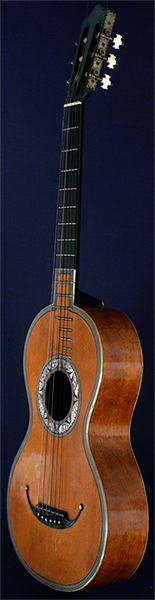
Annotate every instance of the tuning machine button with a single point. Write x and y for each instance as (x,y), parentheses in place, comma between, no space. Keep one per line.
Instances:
(117,41)
(106,82)
(111,61)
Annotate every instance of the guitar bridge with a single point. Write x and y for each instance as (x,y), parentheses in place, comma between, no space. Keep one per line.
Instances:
(53,517)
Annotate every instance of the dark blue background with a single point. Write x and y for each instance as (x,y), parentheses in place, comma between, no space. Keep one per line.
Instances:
(116,248)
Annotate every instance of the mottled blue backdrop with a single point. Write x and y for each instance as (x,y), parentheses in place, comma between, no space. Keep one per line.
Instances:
(116,245)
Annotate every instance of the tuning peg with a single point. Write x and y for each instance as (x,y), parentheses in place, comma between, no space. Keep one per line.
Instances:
(72,62)
(117,41)
(111,61)
(68,82)
(106,82)
(76,43)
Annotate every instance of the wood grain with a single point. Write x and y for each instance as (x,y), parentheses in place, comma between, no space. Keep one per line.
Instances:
(67,556)
(109,436)
(64,556)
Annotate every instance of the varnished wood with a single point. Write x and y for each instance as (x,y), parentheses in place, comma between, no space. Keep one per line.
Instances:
(70,554)
(109,435)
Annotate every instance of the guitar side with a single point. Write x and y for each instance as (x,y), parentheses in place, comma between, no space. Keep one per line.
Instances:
(109,435)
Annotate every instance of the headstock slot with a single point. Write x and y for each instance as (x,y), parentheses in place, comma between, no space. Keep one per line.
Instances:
(101,49)
(94,38)
(88,41)
(93,46)
(81,46)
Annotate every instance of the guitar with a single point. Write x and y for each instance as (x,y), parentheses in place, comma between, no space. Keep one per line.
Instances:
(76,502)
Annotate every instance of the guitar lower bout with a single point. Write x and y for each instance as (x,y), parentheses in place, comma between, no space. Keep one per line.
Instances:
(60,504)
(78,499)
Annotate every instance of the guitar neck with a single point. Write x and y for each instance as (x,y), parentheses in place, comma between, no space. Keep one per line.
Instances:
(91,50)
(65,259)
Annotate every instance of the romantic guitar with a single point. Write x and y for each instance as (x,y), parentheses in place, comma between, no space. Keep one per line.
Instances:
(76,502)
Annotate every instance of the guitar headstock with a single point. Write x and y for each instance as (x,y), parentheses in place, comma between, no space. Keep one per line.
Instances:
(91,53)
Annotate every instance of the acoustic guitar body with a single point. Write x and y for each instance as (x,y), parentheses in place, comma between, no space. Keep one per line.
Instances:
(84,469)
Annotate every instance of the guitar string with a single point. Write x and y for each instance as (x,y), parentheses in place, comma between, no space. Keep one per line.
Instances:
(75,123)
(55,283)
(80,123)
(48,349)
(54,465)
(64,266)
(67,268)
(53,352)
(49,334)
(62,290)
(67,285)
(74,119)
(67,261)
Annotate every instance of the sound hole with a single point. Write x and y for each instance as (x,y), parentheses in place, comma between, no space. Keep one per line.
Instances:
(58,395)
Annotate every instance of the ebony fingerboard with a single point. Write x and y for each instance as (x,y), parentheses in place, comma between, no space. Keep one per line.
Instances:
(68,195)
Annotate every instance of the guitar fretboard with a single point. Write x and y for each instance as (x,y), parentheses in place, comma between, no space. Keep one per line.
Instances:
(68,193)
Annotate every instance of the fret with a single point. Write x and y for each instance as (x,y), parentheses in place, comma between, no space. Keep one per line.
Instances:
(66,339)
(69,128)
(70,149)
(65,329)
(72,104)
(64,308)
(62,254)
(64,318)
(68,170)
(67,188)
(68,206)
(70,349)
(65,295)
(66,223)
(64,281)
